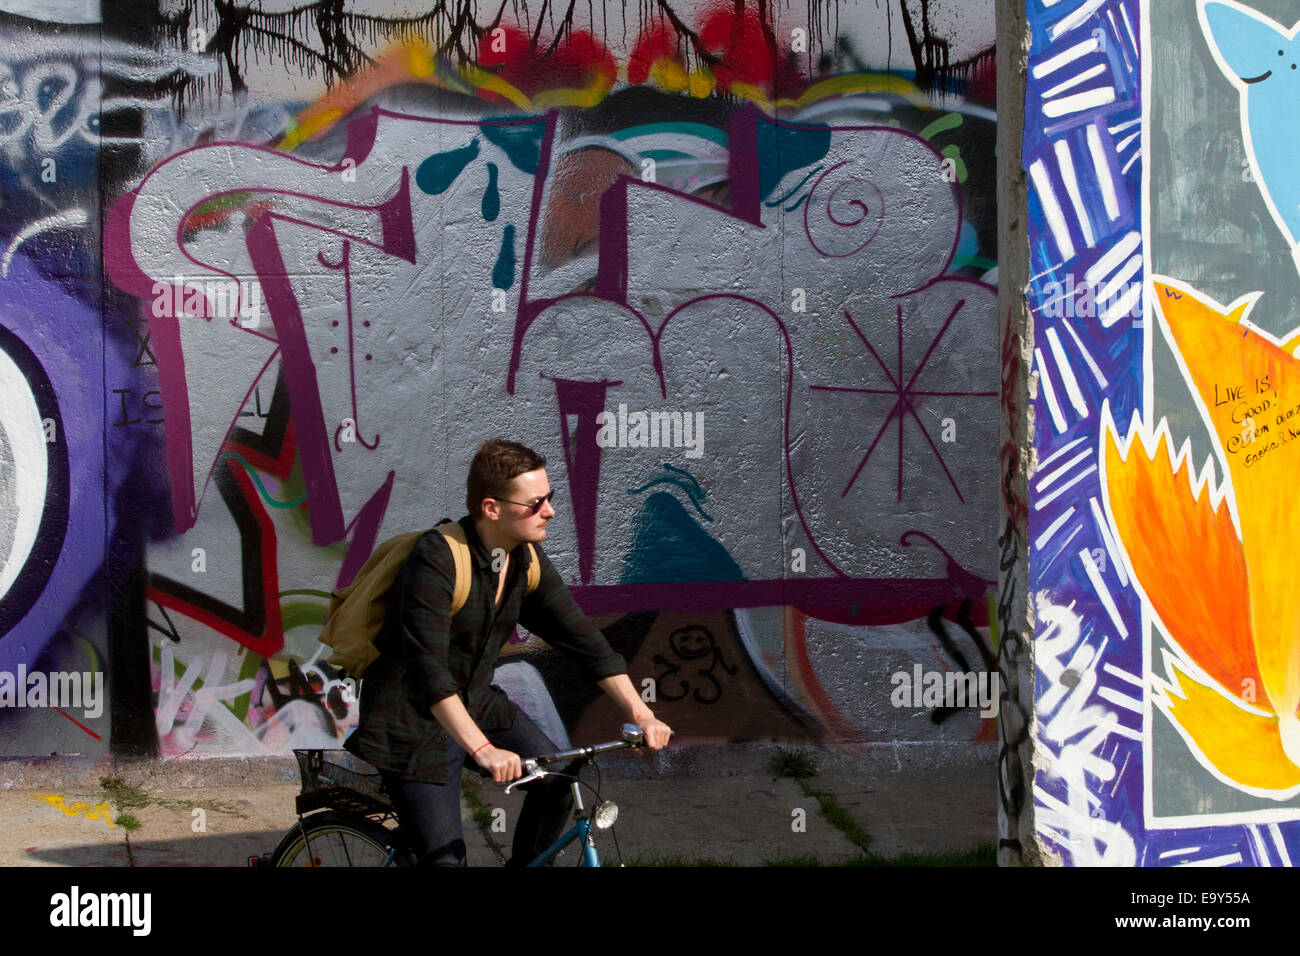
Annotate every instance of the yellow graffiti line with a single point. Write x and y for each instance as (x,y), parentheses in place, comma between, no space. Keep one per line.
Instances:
(669,75)
(99,811)
(309,127)
(751,93)
(415,62)
(484,80)
(863,83)
(420,62)
(758,97)
(588,96)
(701,82)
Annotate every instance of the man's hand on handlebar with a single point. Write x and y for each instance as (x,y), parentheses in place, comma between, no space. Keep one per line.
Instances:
(503,765)
(656,733)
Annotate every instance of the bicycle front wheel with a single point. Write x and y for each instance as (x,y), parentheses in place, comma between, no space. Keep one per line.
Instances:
(330,839)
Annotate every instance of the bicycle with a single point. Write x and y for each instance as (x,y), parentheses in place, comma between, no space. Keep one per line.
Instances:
(346,819)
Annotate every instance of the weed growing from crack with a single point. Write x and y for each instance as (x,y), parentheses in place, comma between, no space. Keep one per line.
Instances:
(799,764)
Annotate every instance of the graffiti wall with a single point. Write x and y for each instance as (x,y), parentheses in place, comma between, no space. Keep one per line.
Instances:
(271,273)
(1165,310)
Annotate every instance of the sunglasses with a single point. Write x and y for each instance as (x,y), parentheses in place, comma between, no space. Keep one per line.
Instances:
(533,507)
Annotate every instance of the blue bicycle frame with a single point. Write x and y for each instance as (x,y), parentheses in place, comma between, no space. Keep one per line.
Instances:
(579,831)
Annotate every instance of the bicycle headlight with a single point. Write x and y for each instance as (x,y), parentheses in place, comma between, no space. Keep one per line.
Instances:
(605,815)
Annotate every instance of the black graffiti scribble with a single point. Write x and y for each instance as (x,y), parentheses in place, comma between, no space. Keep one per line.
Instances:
(934,70)
(250,616)
(169,631)
(257,396)
(321,37)
(324,37)
(935,621)
(141,340)
(694,645)
(297,686)
(1014,719)
(929,52)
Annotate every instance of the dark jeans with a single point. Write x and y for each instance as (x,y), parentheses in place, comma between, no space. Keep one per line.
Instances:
(429,813)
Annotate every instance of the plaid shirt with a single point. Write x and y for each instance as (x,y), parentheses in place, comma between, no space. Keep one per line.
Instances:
(425,655)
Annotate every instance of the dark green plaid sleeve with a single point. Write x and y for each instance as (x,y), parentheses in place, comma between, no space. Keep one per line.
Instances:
(424,626)
(552,614)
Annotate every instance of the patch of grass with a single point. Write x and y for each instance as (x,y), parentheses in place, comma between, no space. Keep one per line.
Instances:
(804,861)
(125,797)
(986,855)
(676,859)
(123,794)
(215,806)
(481,812)
(840,818)
(799,764)
(978,856)
(802,765)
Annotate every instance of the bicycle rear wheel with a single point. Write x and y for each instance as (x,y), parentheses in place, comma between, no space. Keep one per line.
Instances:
(331,839)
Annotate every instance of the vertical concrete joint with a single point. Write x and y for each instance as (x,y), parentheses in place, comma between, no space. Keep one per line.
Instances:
(1015,626)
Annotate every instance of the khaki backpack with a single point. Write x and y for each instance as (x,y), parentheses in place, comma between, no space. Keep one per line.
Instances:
(357,612)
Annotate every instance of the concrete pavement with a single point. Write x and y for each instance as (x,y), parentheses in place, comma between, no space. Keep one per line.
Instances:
(701,802)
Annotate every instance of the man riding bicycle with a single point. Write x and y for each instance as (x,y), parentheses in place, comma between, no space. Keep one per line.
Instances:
(428,703)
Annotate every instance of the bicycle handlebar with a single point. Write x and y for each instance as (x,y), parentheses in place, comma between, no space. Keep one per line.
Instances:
(631,734)
(535,767)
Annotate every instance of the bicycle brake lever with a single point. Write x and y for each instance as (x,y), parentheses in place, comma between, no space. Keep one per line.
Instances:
(535,772)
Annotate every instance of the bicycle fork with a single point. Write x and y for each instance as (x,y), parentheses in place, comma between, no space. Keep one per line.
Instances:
(581,830)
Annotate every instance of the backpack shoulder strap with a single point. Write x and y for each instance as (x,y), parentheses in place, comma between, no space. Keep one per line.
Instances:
(454,535)
(534,570)
(357,612)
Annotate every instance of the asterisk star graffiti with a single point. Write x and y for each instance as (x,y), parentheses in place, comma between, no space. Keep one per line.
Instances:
(903,395)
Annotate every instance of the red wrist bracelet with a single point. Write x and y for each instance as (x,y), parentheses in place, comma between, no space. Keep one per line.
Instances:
(484,744)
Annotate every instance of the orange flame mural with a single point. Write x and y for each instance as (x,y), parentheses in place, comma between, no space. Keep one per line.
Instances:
(1215,563)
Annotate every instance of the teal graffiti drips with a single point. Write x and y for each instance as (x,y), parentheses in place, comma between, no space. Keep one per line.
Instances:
(492,195)
(792,191)
(684,480)
(503,273)
(669,545)
(439,171)
(522,142)
(782,150)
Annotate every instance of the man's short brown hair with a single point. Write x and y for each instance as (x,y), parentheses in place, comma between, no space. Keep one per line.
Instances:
(496,464)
